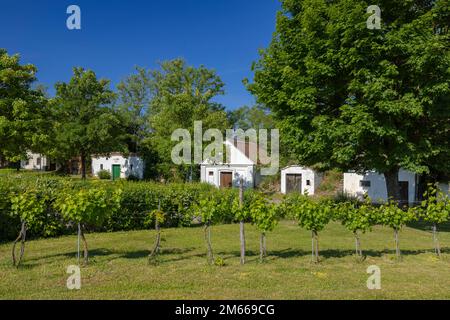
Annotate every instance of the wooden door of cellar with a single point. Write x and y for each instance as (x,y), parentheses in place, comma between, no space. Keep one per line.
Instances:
(293,183)
(226,179)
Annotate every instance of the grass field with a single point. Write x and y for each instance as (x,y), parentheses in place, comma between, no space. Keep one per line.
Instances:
(118,266)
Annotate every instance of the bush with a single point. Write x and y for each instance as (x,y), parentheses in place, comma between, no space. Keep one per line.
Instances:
(136,201)
(104,175)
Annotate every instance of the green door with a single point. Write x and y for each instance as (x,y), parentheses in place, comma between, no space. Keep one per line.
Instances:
(115,171)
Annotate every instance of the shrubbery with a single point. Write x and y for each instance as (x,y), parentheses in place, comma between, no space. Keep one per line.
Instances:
(45,206)
(136,201)
(104,175)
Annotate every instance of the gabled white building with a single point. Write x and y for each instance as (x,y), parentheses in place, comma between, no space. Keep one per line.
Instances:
(228,174)
(374,185)
(299,179)
(118,165)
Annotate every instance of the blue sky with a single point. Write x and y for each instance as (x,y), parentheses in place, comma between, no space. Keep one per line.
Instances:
(224,35)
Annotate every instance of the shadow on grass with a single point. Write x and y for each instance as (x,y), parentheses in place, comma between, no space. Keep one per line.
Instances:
(114,254)
(426,226)
(326,253)
(167,254)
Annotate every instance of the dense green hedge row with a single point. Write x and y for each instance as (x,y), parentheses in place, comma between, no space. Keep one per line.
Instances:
(137,199)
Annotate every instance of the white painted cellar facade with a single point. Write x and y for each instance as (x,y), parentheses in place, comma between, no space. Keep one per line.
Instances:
(374,185)
(228,174)
(118,165)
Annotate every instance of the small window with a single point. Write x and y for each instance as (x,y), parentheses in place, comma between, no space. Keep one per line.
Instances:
(364,183)
(308,182)
(131,167)
(38,161)
(101,166)
(210,173)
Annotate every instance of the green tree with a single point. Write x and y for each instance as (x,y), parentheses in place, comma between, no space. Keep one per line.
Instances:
(264,216)
(134,97)
(181,94)
(211,208)
(256,117)
(29,206)
(435,209)
(311,215)
(349,97)
(391,215)
(23,110)
(85,123)
(357,218)
(87,207)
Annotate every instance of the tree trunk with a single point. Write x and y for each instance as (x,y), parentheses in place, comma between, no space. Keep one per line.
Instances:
(157,245)
(207,230)
(358,245)
(242,237)
(83,165)
(317,246)
(392,185)
(22,237)
(241,224)
(437,246)
(78,243)
(85,246)
(397,244)
(314,246)
(262,247)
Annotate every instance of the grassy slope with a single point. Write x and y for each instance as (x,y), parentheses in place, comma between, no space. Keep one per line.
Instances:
(119,270)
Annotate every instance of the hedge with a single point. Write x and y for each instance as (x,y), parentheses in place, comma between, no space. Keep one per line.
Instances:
(137,200)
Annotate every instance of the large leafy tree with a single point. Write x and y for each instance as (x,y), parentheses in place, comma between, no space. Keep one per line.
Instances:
(182,94)
(134,96)
(85,123)
(256,117)
(23,110)
(350,97)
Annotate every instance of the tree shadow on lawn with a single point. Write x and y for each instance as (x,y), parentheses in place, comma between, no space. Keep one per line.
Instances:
(102,252)
(251,255)
(326,253)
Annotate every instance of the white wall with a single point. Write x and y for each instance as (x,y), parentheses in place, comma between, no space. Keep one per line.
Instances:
(238,171)
(307,174)
(377,190)
(128,166)
(237,156)
(32,163)
(239,165)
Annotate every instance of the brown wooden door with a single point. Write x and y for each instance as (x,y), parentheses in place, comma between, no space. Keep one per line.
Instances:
(293,183)
(404,187)
(226,179)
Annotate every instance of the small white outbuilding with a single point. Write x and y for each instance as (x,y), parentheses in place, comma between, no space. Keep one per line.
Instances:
(118,165)
(299,179)
(373,184)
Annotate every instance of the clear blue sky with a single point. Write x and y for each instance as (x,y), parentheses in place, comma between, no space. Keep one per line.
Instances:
(224,35)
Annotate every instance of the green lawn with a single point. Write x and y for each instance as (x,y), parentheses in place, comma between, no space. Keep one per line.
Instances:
(118,267)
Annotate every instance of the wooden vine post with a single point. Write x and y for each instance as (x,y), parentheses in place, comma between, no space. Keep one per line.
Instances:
(241,224)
